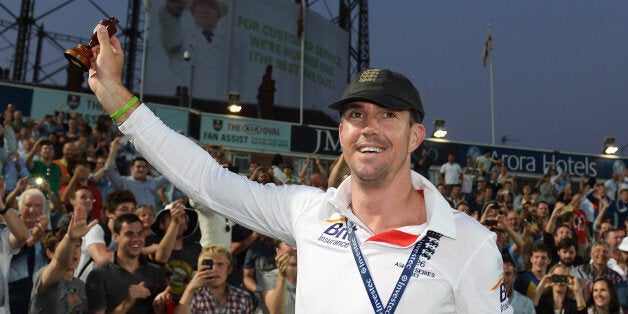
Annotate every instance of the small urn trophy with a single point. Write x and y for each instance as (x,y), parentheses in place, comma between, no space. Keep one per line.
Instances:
(81,56)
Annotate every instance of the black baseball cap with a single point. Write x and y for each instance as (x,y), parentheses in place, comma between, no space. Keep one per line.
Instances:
(385,88)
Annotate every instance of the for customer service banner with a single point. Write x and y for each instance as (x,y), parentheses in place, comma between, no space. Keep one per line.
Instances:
(214,47)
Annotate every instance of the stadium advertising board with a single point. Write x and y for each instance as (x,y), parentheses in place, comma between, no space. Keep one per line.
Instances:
(313,140)
(530,161)
(242,133)
(47,101)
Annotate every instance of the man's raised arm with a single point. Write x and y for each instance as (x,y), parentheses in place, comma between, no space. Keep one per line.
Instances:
(105,77)
(186,164)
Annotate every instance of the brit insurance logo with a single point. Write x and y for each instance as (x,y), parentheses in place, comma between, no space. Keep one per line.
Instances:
(336,233)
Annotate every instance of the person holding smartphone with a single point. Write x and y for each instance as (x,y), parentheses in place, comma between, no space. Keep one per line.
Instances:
(208,291)
(559,291)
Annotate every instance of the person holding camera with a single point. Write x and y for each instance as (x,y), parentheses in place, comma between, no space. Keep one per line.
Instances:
(208,291)
(559,292)
(509,241)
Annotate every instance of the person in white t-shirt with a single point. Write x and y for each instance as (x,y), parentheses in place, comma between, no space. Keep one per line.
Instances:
(450,173)
(384,219)
(275,165)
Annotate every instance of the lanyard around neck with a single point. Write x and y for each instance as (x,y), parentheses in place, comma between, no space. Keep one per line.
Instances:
(403,280)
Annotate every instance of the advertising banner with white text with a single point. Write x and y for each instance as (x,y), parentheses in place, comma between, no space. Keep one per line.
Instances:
(244,133)
(213,47)
(530,161)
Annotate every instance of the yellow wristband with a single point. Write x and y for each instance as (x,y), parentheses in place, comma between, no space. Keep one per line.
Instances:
(125,108)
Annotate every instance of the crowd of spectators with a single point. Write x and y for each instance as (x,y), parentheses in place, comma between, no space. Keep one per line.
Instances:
(92,227)
(97,229)
(563,241)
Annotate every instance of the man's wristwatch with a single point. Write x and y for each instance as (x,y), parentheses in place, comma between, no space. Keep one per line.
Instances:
(4,210)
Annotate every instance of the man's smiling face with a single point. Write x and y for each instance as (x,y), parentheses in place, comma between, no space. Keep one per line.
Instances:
(376,141)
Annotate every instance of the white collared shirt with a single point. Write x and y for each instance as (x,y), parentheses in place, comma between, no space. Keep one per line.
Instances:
(464,273)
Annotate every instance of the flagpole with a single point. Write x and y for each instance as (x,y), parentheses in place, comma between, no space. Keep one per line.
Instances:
(144,47)
(302,78)
(490,74)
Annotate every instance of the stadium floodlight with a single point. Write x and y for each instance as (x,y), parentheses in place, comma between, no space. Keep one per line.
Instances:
(234,103)
(439,129)
(609,146)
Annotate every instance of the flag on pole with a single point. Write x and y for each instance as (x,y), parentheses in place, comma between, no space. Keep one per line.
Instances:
(488,46)
(300,21)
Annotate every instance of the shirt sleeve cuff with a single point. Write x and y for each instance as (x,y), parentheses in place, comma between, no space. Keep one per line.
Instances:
(140,119)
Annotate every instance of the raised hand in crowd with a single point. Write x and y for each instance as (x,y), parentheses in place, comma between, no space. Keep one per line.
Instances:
(114,147)
(16,162)
(44,187)
(28,161)
(556,213)
(64,252)
(166,245)
(489,212)
(602,211)
(78,226)
(20,186)
(304,169)
(339,170)
(518,240)
(19,233)
(276,302)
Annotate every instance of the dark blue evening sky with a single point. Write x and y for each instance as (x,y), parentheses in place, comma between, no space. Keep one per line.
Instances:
(560,67)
